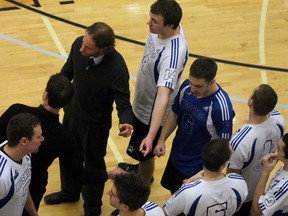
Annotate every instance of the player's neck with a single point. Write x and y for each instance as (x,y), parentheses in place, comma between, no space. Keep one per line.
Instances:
(50,109)
(256,119)
(285,166)
(14,153)
(211,90)
(169,33)
(139,212)
(214,87)
(213,176)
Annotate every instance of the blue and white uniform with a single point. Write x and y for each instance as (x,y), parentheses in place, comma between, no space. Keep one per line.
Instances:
(14,184)
(162,65)
(275,201)
(152,209)
(199,121)
(250,143)
(208,198)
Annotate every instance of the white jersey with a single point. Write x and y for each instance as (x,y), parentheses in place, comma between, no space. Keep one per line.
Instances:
(162,65)
(275,201)
(208,198)
(152,209)
(250,143)
(14,184)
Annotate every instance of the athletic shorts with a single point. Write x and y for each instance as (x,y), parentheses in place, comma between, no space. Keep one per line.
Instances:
(139,133)
(244,210)
(172,179)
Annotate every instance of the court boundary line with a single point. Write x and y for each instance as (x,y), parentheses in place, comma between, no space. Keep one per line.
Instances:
(262,56)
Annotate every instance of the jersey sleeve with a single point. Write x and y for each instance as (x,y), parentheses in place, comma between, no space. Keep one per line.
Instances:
(223,115)
(172,63)
(152,209)
(167,76)
(237,159)
(6,181)
(182,200)
(240,150)
(239,187)
(280,121)
(121,91)
(175,205)
(177,101)
(275,200)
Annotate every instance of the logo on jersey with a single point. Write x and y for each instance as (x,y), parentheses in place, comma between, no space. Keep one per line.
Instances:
(217,209)
(150,46)
(269,201)
(187,124)
(16,174)
(130,149)
(144,64)
(206,108)
(23,180)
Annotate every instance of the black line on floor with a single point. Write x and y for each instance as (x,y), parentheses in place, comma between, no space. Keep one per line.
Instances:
(142,44)
(36,3)
(66,2)
(9,8)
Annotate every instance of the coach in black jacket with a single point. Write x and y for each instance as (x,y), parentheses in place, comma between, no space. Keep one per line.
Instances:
(100,78)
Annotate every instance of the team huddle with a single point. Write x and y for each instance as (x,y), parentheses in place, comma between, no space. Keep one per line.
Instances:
(211,170)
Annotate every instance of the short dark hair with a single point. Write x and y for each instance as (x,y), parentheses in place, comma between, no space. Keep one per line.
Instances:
(264,100)
(21,125)
(102,35)
(285,148)
(170,10)
(204,68)
(60,91)
(216,153)
(131,190)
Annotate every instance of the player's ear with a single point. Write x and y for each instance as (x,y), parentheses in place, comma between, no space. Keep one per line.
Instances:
(125,207)
(212,81)
(250,102)
(24,141)
(45,95)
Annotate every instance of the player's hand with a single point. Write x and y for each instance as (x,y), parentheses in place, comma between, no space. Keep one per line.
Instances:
(146,146)
(269,162)
(160,149)
(125,130)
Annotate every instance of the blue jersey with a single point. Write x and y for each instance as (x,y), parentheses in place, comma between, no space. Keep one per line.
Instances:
(199,121)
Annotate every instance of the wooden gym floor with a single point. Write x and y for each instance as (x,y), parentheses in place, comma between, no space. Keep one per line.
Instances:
(248,39)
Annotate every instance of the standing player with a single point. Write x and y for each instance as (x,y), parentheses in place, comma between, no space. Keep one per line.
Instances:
(202,111)
(215,193)
(255,139)
(158,81)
